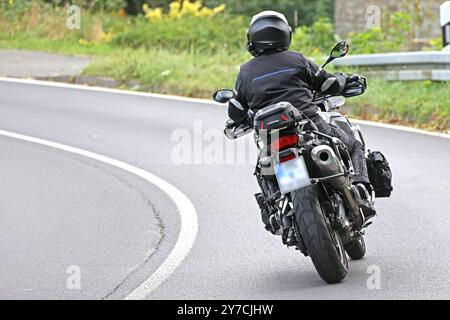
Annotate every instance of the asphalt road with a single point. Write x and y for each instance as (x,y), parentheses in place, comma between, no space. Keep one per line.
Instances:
(24,63)
(61,215)
(233,256)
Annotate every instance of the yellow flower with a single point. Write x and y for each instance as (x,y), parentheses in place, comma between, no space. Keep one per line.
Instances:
(154,14)
(174,10)
(178,9)
(191,8)
(205,12)
(83,42)
(174,6)
(219,9)
(106,37)
(316,51)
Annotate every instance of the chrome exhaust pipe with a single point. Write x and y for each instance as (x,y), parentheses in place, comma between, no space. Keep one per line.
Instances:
(329,165)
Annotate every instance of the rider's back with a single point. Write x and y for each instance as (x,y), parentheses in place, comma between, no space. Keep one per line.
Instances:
(281,76)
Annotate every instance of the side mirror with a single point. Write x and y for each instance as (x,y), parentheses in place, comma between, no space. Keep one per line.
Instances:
(223,96)
(339,50)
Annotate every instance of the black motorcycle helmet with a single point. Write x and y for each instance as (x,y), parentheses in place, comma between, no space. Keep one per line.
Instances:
(269,31)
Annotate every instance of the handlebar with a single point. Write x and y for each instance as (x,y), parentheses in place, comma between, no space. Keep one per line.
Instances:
(355,86)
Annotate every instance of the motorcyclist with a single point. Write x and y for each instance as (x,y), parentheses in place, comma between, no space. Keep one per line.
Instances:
(277,74)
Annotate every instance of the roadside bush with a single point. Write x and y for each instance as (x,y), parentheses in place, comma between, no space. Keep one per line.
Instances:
(180,9)
(394,36)
(190,33)
(315,39)
(33,20)
(306,11)
(434,45)
(91,5)
(185,26)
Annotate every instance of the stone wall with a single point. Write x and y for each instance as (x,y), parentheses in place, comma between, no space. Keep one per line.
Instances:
(352,15)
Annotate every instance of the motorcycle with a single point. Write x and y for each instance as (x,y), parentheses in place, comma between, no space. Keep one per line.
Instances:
(305,176)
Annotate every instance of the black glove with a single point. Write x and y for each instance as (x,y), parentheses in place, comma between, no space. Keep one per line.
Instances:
(355,85)
(334,85)
(352,78)
(236,112)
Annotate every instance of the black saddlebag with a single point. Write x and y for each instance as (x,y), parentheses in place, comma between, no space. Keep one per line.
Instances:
(380,174)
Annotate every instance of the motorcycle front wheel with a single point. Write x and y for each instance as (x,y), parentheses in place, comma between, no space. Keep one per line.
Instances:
(323,244)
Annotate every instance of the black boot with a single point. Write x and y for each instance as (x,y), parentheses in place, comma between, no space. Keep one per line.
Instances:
(365,200)
(270,222)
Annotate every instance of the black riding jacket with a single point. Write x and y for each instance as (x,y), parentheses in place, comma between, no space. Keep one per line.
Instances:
(281,76)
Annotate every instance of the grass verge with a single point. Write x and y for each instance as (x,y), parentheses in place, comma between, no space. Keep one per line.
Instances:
(423,104)
(161,71)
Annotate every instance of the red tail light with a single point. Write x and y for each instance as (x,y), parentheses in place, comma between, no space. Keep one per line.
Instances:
(287,158)
(284,142)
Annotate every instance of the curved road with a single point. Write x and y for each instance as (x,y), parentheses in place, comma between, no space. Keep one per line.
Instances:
(116,215)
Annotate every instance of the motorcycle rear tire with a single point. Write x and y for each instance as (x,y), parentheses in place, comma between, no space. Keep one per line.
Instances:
(323,244)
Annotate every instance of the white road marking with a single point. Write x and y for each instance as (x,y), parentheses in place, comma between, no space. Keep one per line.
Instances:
(400,128)
(189,224)
(202,101)
(107,90)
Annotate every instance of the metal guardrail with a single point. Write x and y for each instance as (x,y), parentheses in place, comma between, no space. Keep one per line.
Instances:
(404,66)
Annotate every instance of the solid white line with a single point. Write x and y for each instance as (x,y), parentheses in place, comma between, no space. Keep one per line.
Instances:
(189,225)
(107,90)
(200,101)
(400,128)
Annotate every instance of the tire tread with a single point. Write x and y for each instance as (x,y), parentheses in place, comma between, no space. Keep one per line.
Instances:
(317,239)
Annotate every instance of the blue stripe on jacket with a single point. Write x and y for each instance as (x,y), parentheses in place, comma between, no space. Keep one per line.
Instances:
(274,73)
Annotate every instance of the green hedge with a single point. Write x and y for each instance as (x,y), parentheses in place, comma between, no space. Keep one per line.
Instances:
(221,33)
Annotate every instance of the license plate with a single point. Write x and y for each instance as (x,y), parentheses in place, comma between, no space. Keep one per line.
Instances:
(292,175)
